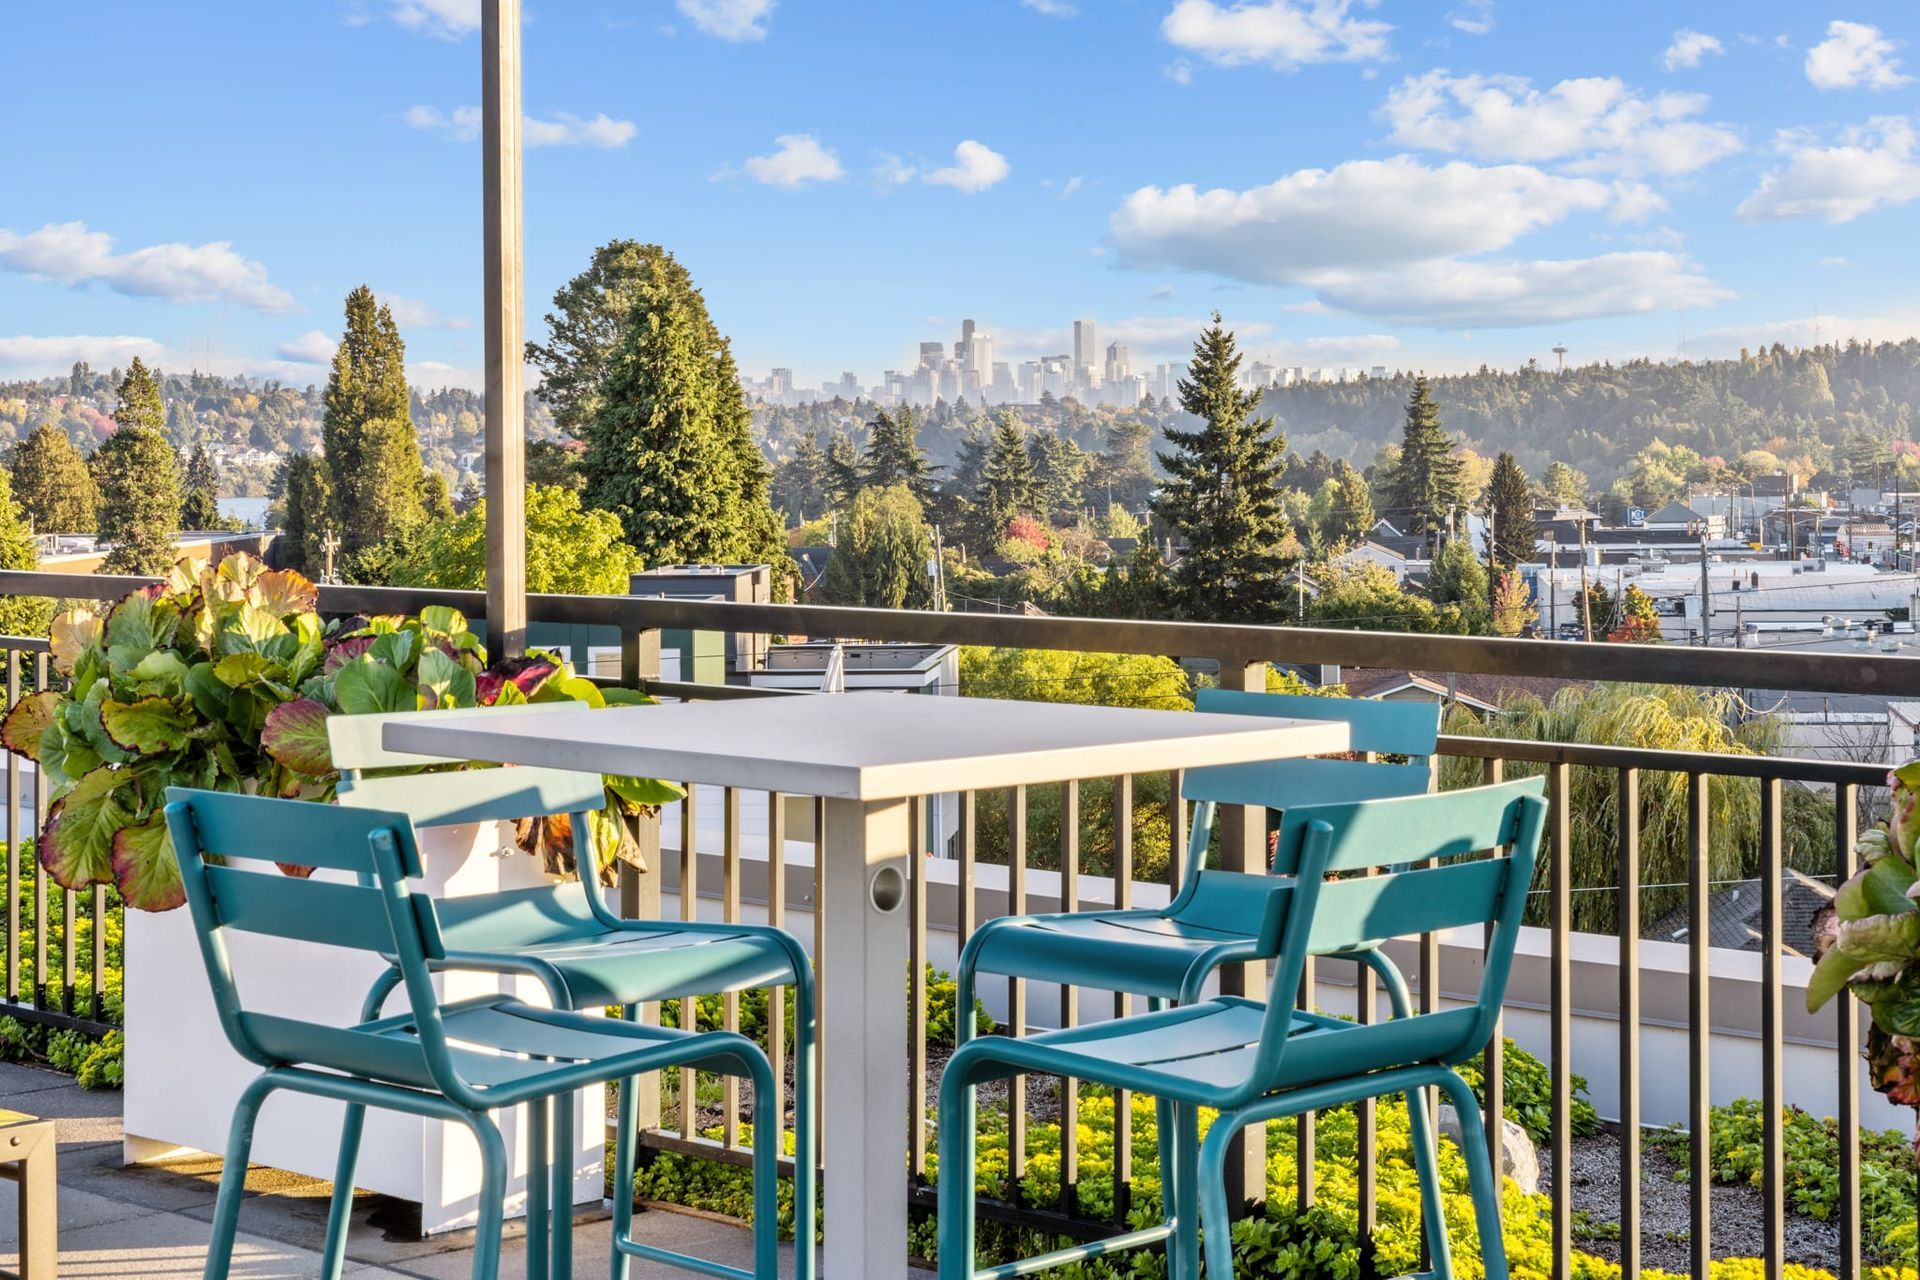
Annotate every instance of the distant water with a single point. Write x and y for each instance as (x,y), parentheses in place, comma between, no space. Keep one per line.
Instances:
(251,511)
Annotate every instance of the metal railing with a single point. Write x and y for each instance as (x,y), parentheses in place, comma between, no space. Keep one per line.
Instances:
(1242,652)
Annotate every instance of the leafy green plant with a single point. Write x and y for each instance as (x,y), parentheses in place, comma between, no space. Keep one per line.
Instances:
(942,993)
(1867,941)
(1528,1093)
(223,678)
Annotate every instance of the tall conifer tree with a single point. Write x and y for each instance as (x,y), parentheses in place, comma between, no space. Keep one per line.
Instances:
(1427,482)
(200,504)
(1007,487)
(894,455)
(638,368)
(1223,493)
(138,481)
(1510,508)
(373,455)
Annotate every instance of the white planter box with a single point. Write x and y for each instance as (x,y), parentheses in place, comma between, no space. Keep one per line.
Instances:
(183,1078)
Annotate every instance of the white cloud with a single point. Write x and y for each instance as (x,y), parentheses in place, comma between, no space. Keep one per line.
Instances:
(1475,17)
(447,19)
(413,313)
(1454,294)
(1594,124)
(1052,8)
(975,167)
(797,159)
(1279,33)
(311,347)
(213,272)
(1071,185)
(1854,55)
(1311,307)
(729,19)
(32,356)
(1402,240)
(1382,211)
(438,373)
(892,171)
(1688,48)
(1838,264)
(568,130)
(565,129)
(1871,166)
(1635,202)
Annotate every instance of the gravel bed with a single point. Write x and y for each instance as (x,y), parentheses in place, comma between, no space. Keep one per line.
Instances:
(1666,1211)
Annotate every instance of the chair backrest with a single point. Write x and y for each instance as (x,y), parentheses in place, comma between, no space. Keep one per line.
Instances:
(227,846)
(1409,729)
(468,795)
(1454,859)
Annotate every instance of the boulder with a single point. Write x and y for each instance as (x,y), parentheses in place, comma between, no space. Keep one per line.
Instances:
(1519,1158)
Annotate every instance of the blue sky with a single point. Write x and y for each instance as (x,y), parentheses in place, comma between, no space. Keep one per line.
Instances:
(1397,183)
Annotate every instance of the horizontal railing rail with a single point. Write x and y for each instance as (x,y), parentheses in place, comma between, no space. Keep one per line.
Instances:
(1228,643)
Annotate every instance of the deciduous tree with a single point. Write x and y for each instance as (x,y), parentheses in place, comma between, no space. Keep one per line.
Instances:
(570,551)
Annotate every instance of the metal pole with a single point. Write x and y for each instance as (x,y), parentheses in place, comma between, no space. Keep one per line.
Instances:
(1706,596)
(505,308)
(1586,601)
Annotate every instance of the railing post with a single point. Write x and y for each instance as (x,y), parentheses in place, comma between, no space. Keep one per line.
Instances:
(1243,847)
(640,891)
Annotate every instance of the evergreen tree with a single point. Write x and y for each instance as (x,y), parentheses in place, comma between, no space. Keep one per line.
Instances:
(373,456)
(553,465)
(881,558)
(1427,482)
(52,482)
(1007,486)
(841,472)
(894,455)
(200,505)
(19,615)
(1563,485)
(1510,508)
(435,502)
(652,382)
(1458,578)
(472,495)
(306,505)
(1223,493)
(1352,515)
(799,483)
(139,484)
(1059,471)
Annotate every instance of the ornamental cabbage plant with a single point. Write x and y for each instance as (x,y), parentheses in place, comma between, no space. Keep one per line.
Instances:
(223,678)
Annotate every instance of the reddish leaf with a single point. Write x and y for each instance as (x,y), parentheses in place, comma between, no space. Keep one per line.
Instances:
(295,734)
(144,866)
(77,846)
(341,652)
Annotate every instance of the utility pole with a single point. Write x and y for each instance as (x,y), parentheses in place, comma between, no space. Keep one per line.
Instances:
(1300,591)
(1706,597)
(1586,602)
(1553,588)
(328,546)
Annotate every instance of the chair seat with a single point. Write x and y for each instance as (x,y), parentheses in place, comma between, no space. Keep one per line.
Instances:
(509,1050)
(1195,1052)
(633,962)
(1142,952)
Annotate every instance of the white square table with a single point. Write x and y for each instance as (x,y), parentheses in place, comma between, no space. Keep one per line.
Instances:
(867,755)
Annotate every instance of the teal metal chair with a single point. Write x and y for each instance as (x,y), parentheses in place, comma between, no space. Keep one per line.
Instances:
(1168,953)
(1252,1062)
(565,935)
(454,1062)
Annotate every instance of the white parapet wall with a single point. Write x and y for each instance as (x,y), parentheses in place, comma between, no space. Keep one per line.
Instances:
(1734,1050)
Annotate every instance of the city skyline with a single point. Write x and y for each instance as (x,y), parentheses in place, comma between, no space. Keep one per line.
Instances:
(1350,182)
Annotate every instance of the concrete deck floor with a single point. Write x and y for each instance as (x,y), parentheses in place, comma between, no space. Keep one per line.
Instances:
(153,1220)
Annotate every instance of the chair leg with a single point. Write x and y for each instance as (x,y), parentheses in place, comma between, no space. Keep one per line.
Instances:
(1482,1181)
(1427,1164)
(955,1205)
(806,1141)
(1210,1173)
(493,1196)
(340,1211)
(233,1177)
(1183,1250)
(1163,1132)
(539,1184)
(767,1127)
(624,1140)
(560,1205)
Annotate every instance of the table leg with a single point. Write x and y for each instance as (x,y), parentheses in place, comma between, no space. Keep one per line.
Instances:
(35,1148)
(864,1039)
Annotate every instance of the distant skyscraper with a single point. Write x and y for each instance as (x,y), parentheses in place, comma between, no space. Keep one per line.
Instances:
(932,354)
(1117,366)
(962,350)
(979,357)
(1086,346)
